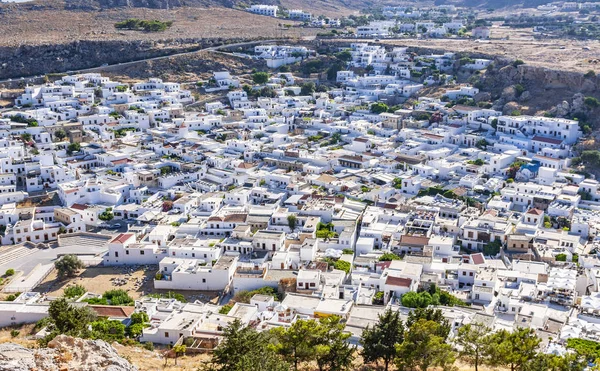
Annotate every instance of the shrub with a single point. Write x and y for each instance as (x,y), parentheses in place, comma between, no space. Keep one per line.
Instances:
(143,25)
(149,346)
(225,309)
(14,333)
(74,291)
(518,62)
(342,265)
(591,102)
(9,272)
(561,258)
(590,74)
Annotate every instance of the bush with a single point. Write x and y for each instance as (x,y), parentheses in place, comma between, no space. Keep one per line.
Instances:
(68,266)
(14,333)
(590,74)
(561,258)
(225,309)
(591,102)
(342,265)
(518,62)
(388,256)
(74,291)
(9,272)
(149,346)
(143,25)
(260,78)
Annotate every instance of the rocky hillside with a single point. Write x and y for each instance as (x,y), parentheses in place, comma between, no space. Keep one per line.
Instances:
(63,353)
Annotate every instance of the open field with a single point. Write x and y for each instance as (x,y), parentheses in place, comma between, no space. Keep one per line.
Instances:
(567,55)
(138,282)
(56,26)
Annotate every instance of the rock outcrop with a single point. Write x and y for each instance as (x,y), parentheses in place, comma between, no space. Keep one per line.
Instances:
(63,353)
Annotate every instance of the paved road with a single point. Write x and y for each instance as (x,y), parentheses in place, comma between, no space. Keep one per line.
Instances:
(123,64)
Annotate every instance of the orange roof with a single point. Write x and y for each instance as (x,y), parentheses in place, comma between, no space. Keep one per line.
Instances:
(112,311)
(535,212)
(121,238)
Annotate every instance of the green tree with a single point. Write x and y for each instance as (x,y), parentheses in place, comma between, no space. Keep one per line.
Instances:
(108,330)
(388,256)
(397,183)
(378,108)
(292,222)
(423,347)
(380,341)
(106,215)
(260,78)
(26,137)
(68,266)
(9,272)
(472,341)
(60,134)
(245,349)
(179,350)
(429,314)
(333,352)
(513,349)
(344,56)
(73,147)
(64,318)
(551,362)
(307,88)
(297,344)
(416,299)
(74,291)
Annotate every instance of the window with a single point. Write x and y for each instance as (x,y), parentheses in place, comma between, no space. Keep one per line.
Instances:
(142,252)
(166,334)
(116,254)
(126,252)
(204,280)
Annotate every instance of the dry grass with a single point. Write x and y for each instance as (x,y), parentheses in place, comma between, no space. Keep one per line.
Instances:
(153,361)
(25,332)
(49,26)
(521,45)
(100,279)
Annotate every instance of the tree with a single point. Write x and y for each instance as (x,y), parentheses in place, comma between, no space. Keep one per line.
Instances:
(344,56)
(9,272)
(292,221)
(388,256)
(333,352)
(397,183)
(297,344)
(380,341)
(74,291)
(423,347)
(260,78)
(551,362)
(68,266)
(378,108)
(106,215)
(307,88)
(26,137)
(416,299)
(64,318)
(472,341)
(244,349)
(179,349)
(60,134)
(429,314)
(73,147)
(513,349)
(108,330)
